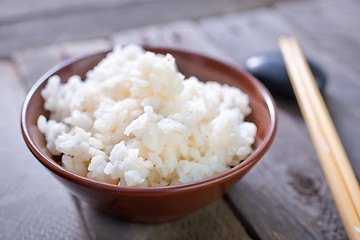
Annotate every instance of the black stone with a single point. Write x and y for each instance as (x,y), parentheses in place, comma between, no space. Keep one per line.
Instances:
(270,69)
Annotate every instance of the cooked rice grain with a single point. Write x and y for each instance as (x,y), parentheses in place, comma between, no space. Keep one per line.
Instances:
(135,121)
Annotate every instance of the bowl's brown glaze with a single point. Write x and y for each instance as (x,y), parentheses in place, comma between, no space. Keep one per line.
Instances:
(154,204)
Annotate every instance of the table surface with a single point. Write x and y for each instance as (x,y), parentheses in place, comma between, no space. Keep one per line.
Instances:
(285,196)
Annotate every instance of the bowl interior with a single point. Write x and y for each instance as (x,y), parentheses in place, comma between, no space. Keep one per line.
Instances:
(206,69)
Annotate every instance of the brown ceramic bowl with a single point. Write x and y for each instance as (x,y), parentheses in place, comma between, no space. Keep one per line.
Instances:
(154,204)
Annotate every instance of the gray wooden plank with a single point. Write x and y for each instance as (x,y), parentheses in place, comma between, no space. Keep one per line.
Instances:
(286,195)
(27,25)
(180,34)
(338,41)
(215,221)
(18,10)
(34,62)
(330,24)
(79,48)
(32,204)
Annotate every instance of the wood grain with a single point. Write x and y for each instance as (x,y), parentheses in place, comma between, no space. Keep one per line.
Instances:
(338,52)
(24,24)
(330,24)
(32,63)
(216,221)
(302,208)
(335,164)
(180,34)
(33,204)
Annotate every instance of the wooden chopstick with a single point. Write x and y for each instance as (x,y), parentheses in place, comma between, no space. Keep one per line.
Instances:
(336,166)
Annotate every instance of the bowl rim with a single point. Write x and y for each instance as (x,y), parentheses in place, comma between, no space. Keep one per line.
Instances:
(56,168)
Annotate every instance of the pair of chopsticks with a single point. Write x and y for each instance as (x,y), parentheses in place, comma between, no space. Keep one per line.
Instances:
(339,174)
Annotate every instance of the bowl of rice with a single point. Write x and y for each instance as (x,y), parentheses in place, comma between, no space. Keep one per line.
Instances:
(148,134)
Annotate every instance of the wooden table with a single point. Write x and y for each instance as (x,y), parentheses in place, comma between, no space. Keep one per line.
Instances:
(285,196)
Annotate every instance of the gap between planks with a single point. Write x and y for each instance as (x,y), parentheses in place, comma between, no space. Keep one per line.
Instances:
(242,219)
(89,234)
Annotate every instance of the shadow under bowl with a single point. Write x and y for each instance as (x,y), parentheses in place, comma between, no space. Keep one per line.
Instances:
(153,204)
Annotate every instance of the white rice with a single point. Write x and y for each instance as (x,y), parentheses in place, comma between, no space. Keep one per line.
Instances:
(135,121)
